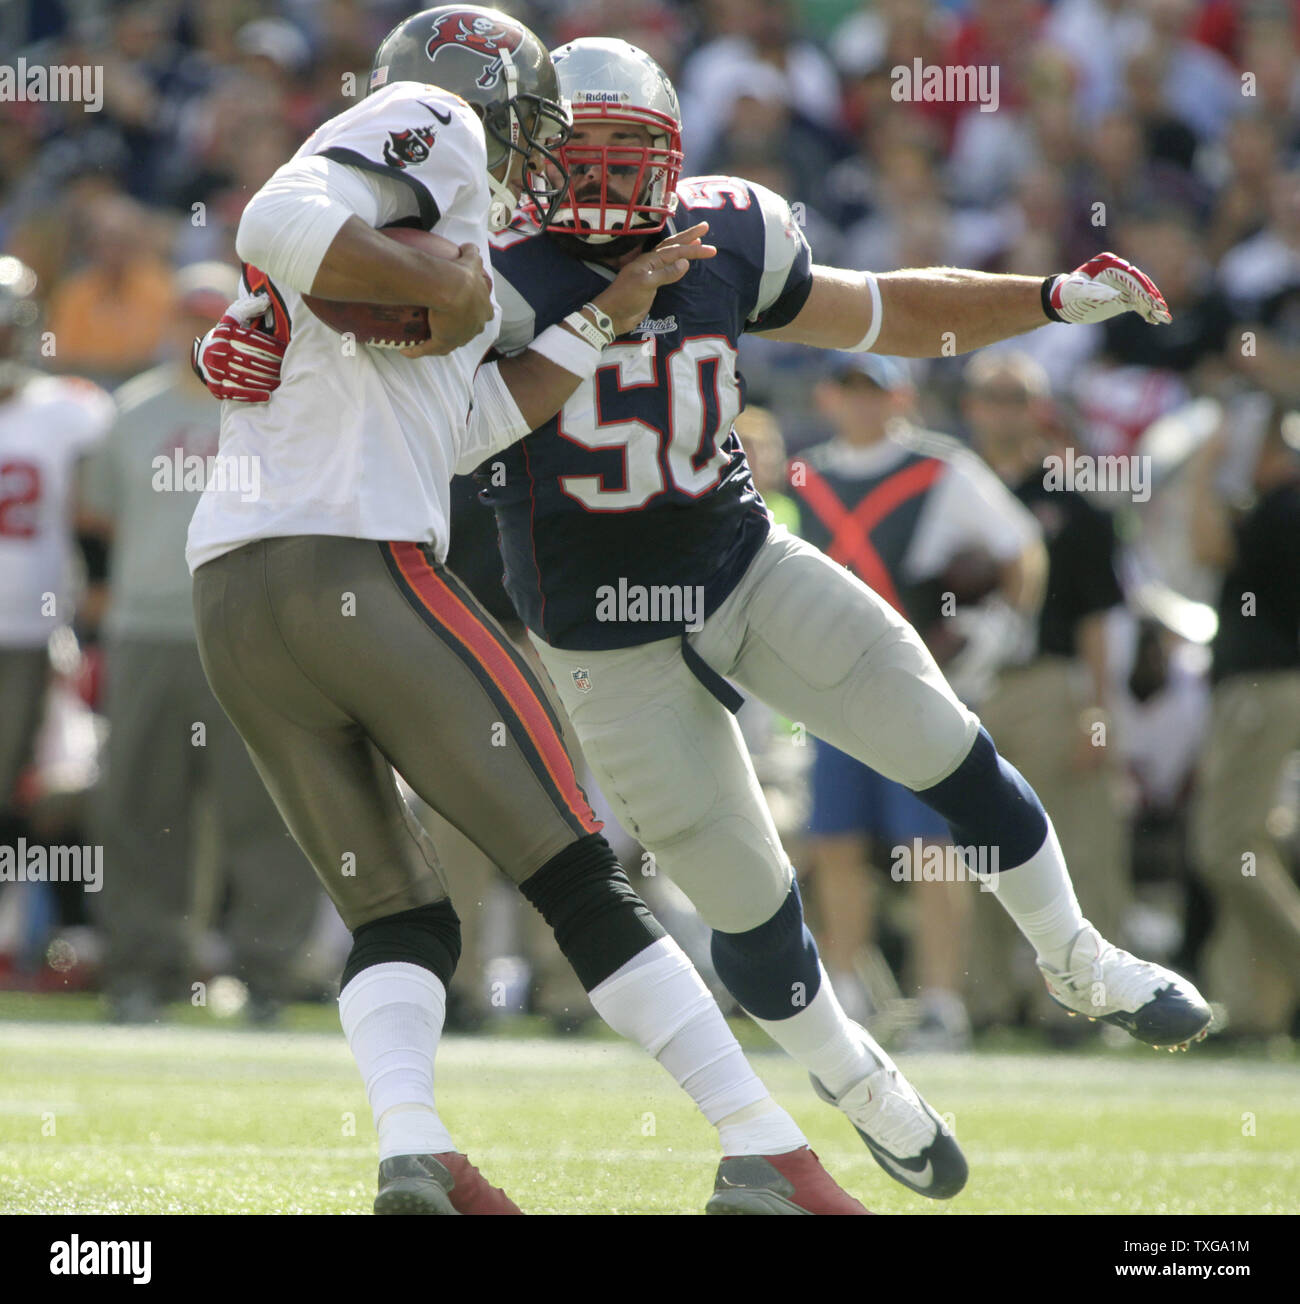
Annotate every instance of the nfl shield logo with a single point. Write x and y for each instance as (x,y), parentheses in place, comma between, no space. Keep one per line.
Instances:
(582,680)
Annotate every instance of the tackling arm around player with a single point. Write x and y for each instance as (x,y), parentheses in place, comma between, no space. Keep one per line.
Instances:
(342,648)
(640,486)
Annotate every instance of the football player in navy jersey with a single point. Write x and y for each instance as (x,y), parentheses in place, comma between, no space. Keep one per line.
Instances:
(647,568)
(649,574)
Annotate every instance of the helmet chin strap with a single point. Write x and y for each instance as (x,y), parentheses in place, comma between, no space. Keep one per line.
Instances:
(592,216)
(501,212)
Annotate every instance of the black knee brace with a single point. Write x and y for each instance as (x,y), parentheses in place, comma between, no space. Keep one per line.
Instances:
(428,936)
(599,921)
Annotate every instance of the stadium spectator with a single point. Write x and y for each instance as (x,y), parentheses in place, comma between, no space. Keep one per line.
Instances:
(1051,714)
(1200,86)
(747,33)
(109,318)
(1253,959)
(1097,36)
(1165,241)
(170,745)
(1161,706)
(1241,206)
(897,506)
(1261,279)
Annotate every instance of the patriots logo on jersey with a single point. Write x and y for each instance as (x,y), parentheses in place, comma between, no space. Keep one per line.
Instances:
(408,148)
(470,31)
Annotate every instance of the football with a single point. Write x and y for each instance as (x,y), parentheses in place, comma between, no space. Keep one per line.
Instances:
(384,325)
(971,575)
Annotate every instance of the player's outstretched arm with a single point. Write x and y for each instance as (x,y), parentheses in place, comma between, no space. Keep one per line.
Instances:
(937,311)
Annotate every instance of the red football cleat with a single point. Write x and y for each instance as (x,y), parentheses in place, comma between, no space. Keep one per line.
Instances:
(472,1193)
(437,1184)
(791,1183)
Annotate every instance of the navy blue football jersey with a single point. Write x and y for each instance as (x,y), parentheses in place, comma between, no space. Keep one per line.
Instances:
(638,492)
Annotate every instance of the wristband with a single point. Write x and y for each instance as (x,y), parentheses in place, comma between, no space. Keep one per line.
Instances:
(1045,293)
(877,314)
(562,347)
(601,334)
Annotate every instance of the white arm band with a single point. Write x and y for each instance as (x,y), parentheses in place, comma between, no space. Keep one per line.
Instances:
(568,351)
(495,421)
(877,316)
(289,225)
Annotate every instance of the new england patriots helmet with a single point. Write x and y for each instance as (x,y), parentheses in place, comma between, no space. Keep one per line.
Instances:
(608,80)
(504,72)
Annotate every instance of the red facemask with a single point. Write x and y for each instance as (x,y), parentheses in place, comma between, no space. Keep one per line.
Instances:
(620,189)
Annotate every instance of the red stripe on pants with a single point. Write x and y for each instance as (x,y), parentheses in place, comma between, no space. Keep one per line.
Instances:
(462,622)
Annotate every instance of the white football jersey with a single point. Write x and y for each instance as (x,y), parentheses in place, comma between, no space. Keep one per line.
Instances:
(360,441)
(44,428)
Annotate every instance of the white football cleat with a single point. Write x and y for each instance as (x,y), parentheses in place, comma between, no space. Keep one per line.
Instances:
(1149,1002)
(905,1136)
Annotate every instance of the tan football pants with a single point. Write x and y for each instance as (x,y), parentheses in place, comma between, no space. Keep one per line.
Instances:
(339,660)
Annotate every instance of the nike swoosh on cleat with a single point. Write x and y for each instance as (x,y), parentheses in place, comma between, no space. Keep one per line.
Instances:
(922,1178)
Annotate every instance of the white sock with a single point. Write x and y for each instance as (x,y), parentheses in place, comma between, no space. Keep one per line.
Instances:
(837,1051)
(392,1016)
(1039,896)
(659,1001)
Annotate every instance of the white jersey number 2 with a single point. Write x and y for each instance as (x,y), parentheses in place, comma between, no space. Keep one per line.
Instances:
(654,459)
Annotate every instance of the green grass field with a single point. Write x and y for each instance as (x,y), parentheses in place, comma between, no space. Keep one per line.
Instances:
(201,1118)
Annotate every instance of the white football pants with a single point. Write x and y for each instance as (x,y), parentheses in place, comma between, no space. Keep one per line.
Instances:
(817,645)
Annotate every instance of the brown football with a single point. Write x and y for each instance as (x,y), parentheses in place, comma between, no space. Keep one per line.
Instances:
(384,325)
(971,575)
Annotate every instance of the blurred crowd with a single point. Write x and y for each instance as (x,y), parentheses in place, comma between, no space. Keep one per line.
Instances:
(1154,698)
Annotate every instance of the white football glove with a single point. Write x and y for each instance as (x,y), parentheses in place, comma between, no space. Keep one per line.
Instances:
(1104,286)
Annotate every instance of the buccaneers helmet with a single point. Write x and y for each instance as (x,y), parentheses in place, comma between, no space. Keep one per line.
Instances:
(608,80)
(504,72)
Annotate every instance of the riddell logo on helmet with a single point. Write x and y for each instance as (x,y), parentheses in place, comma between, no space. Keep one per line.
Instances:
(599,97)
(470,31)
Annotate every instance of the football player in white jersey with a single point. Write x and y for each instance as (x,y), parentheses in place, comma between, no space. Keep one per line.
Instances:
(342,648)
(47,423)
(639,487)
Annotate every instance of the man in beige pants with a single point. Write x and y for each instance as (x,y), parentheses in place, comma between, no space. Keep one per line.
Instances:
(170,746)
(1049,714)
(1253,955)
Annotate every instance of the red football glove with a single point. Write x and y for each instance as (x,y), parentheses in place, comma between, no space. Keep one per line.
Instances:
(237,359)
(1104,286)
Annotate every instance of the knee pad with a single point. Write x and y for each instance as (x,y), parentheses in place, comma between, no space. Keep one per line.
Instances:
(427,935)
(772,970)
(598,920)
(987,803)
